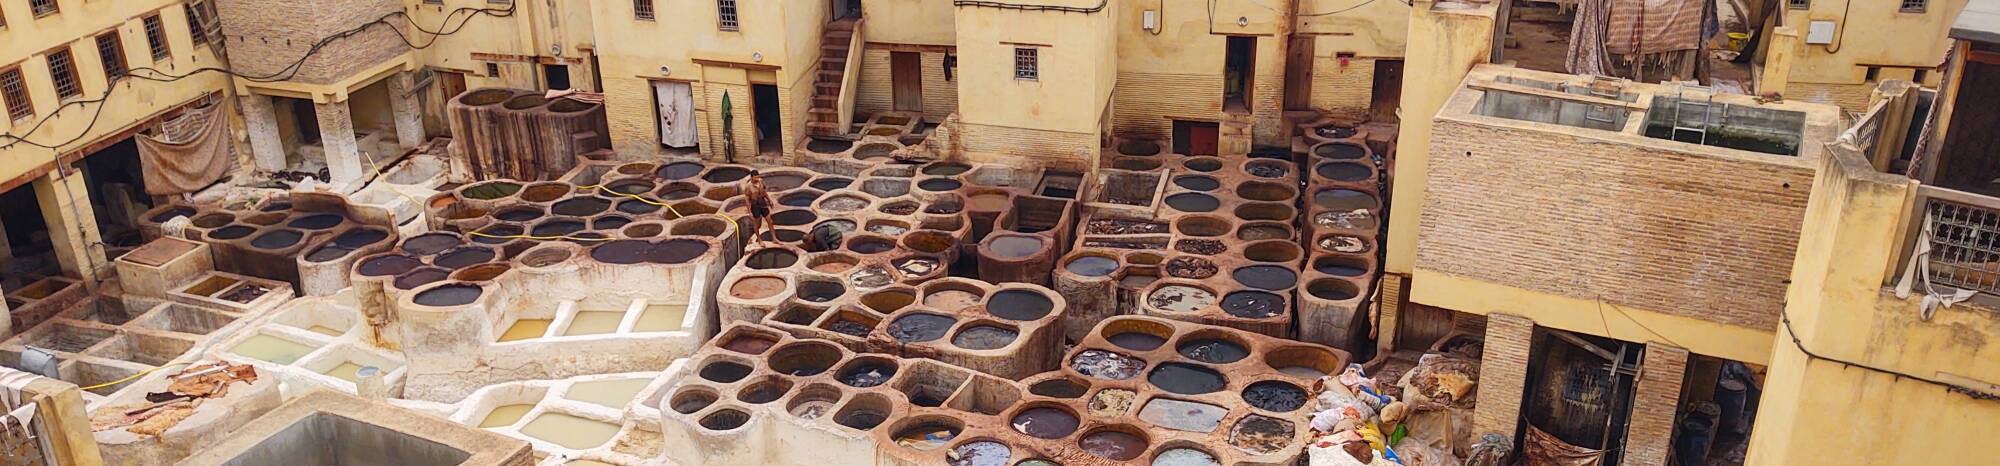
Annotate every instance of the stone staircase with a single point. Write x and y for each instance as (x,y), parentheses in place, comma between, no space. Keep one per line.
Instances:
(823,118)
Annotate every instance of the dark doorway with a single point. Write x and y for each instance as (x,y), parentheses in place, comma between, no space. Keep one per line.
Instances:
(1580,389)
(117,191)
(1195,137)
(304,119)
(556,77)
(1239,64)
(1299,73)
(907,78)
(845,9)
(22,213)
(1388,89)
(764,97)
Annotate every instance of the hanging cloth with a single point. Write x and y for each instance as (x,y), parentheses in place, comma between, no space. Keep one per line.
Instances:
(1654,26)
(191,153)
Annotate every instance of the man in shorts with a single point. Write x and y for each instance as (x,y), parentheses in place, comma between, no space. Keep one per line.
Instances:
(760,204)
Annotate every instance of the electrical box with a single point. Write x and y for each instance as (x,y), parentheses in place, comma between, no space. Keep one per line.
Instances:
(1151,21)
(1819,32)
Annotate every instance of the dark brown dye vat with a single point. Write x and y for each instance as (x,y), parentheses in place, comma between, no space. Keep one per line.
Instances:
(820,292)
(609,223)
(1197,182)
(678,170)
(176,211)
(231,232)
(327,253)
(518,214)
(1343,171)
(358,238)
(1046,422)
(1114,445)
(497,234)
(915,328)
(461,257)
(794,217)
(828,145)
(1268,277)
(1343,200)
(831,183)
(491,190)
(420,277)
(1057,388)
(635,206)
(984,337)
(382,266)
(771,259)
(424,245)
(1137,341)
(750,344)
(946,169)
(1019,305)
(448,295)
(1193,202)
(557,228)
(1186,379)
(803,199)
(724,371)
(868,373)
(725,174)
(1251,304)
(624,251)
(1340,151)
(676,251)
(580,206)
(277,239)
(938,184)
(317,222)
(1272,395)
(1213,351)
(1334,132)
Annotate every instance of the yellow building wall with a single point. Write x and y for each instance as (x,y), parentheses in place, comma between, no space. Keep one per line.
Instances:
(1056,119)
(1443,46)
(25,42)
(877,93)
(1817,411)
(1372,31)
(926,22)
(534,29)
(1868,33)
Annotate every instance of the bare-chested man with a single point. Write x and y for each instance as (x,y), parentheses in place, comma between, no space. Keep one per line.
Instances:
(760,205)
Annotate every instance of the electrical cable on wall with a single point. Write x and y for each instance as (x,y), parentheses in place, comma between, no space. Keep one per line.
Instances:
(1025,7)
(444,28)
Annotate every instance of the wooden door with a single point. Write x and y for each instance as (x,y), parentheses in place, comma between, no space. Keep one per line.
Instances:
(676,110)
(453,83)
(907,79)
(1388,87)
(1202,139)
(1299,73)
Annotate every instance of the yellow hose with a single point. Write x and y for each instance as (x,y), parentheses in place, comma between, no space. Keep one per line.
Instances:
(133,377)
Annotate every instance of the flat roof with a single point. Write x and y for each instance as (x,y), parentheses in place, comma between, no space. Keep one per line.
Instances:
(1979,22)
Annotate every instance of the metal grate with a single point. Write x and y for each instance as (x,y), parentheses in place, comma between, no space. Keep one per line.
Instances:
(1027,64)
(62,69)
(156,38)
(1914,6)
(43,7)
(14,93)
(111,50)
(725,12)
(197,29)
(1965,246)
(1799,4)
(642,10)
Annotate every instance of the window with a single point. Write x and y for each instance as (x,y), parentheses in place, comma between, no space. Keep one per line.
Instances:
(1799,4)
(156,37)
(642,10)
(1913,6)
(42,7)
(112,50)
(1026,64)
(433,2)
(725,11)
(62,69)
(492,70)
(197,25)
(14,93)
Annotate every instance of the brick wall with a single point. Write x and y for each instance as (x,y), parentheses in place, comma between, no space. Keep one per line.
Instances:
(1018,146)
(629,109)
(1702,236)
(708,115)
(876,94)
(1145,104)
(265,36)
(1655,402)
(1343,91)
(1503,372)
(1850,97)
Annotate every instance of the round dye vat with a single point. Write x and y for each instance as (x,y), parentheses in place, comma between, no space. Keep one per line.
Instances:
(359,238)
(1106,365)
(771,259)
(1015,247)
(1186,379)
(327,253)
(1202,164)
(1334,132)
(609,223)
(1185,457)
(724,371)
(793,218)
(1272,395)
(634,206)
(871,246)
(1181,298)
(1137,341)
(676,251)
(1057,388)
(1253,304)
(916,328)
(491,190)
(460,258)
(926,436)
(725,419)
(828,234)
(1331,289)
(984,337)
(830,183)
(1213,351)
(557,228)
(725,174)
(1331,266)
(317,222)
(518,214)
(820,292)
(1113,445)
(1141,148)
(828,145)
(580,206)
(176,211)
(449,295)
(420,277)
(980,453)
(868,373)
(1092,266)
(1193,202)
(1268,169)
(629,187)
(1261,434)
(804,199)
(1019,305)
(383,266)
(1268,277)
(1343,171)
(1340,151)
(496,234)
(783,181)
(1047,423)
(424,245)
(939,184)
(1343,200)
(678,170)
(1197,182)
(277,239)
(231,232)
(945,169)
(624,251)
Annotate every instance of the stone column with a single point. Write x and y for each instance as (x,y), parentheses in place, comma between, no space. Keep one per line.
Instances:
(65,204)
(343,153)
(1656,400)
(1503,373)
(261,119)
(408,111)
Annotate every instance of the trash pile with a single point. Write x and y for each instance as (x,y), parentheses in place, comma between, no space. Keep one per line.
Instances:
(1355,423)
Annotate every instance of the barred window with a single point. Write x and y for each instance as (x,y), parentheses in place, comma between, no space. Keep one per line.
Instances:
(156,37)
(111,49)
(642,10)
(1914,6)
(492,70)
(1027,64)
(1799,4)
(197,22)
(725,11)
(43,7)
(433,2)
(14,93)
(62,70)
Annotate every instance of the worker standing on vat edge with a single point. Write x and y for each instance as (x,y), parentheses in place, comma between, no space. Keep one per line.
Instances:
(760,204)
